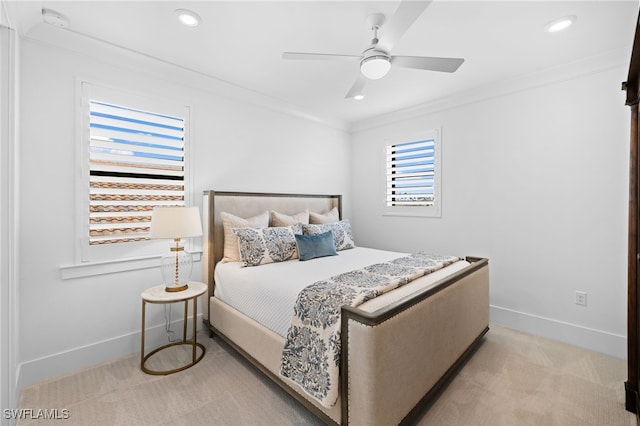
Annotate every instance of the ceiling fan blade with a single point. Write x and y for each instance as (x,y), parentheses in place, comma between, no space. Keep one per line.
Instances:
(320,56)
(428,63)
(357,87)
(407,13)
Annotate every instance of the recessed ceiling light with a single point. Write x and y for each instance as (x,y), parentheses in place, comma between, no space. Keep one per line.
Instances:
(188,17)
(560,24)
(359,97)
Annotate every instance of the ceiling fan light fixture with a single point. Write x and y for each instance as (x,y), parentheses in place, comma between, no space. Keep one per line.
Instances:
(375,67)
(187,17)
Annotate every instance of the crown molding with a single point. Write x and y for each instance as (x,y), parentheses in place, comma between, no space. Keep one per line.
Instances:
(613,59)
(135,61)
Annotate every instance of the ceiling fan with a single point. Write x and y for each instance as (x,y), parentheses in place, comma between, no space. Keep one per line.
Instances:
(376,60)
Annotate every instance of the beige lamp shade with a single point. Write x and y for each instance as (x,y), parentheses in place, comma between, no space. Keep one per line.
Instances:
(175,222)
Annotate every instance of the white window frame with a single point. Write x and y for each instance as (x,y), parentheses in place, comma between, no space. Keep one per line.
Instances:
(434,210)
(108,258)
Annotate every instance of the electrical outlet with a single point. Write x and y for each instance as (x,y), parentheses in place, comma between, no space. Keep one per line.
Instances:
(581,298)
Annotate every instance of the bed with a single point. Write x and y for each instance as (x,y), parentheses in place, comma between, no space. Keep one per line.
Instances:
(397,350)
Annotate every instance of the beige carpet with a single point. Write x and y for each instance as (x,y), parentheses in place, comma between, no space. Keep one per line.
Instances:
(513,379)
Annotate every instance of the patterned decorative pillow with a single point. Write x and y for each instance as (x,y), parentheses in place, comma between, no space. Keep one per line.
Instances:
(342,234)
(229,221)
(279,219)
(330,217)
(259,246)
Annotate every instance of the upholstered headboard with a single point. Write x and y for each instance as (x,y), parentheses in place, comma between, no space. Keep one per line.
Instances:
(248,204)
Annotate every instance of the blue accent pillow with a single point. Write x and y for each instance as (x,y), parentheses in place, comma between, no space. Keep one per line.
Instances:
(319,245)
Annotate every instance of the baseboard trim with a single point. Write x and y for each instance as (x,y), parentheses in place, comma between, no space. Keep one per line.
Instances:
(604,342)
(70,361)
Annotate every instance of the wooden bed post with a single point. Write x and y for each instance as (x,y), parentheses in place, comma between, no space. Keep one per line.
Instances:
(209,252)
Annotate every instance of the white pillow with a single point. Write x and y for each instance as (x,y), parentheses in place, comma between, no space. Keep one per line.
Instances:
(229,221)
(279,219)
(329,217)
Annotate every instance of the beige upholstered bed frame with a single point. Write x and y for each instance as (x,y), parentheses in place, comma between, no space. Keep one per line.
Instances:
(394,359)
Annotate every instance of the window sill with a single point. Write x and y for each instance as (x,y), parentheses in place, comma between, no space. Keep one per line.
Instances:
(406,213)
(90,269)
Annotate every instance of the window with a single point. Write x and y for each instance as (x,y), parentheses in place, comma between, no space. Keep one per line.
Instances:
(413,176)
(136,162)
(134,158)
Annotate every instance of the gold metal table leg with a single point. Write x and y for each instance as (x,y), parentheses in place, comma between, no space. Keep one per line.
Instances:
(195,307)
(191,342)
(143,329)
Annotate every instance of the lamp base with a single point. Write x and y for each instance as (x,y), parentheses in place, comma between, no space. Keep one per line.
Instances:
(176,268)
(176,289)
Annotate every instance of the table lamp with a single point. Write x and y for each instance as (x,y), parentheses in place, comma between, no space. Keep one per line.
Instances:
(176,223)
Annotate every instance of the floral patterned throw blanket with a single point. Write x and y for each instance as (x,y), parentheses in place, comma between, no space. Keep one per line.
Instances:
(311,354)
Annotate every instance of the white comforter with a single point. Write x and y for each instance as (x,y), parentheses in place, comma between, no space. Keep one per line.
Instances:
(267,293)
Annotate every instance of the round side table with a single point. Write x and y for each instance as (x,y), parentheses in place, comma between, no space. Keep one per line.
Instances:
(158,295)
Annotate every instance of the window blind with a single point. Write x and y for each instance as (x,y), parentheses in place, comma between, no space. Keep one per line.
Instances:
(411,173)
(136,162)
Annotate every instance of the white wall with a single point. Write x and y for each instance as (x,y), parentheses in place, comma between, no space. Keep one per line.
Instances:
(535,178)
(67,324)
